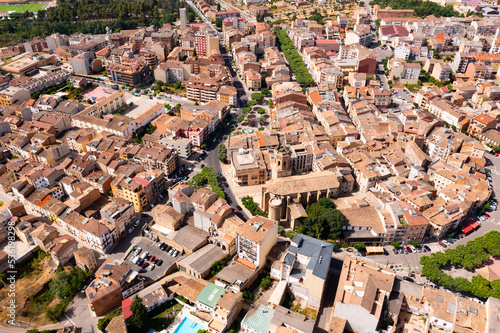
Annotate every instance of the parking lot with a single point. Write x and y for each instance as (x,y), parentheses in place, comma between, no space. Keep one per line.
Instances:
(151,246)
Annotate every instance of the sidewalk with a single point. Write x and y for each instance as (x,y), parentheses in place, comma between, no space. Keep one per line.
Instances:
(254,191)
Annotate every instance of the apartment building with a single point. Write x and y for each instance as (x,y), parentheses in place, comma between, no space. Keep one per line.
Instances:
(360,35)
(254,241)
(86,258)
(441,71)
(477,71)
(480,124)
(305,268)
(119,212)
(132,72)
(403,72)
(10,95)
(388,12)
(130,190)
(206,43)
(363,290)
(48,80)
(114,281)
(248,167)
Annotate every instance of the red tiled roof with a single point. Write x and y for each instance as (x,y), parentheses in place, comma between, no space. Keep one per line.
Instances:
(394,30)
(126,308)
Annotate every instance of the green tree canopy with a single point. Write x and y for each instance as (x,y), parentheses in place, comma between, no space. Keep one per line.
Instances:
(138,321)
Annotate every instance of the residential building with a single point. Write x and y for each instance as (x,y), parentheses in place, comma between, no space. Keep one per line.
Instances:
(363,290)
(86,258)
(114,281)
(305,268)
(132,72)
(480,124)
(255,239)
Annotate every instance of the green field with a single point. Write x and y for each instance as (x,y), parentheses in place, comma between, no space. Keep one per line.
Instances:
(22,8)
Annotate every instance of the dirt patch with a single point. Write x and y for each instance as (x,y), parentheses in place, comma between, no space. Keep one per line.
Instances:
(458,272)
(34,283)
(307,311)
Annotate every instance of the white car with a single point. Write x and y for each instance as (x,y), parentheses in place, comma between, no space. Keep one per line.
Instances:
(151,267)
(130,230)
(136,223)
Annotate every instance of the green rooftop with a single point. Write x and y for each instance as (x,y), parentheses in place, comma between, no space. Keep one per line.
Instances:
(260,320)
(210,295)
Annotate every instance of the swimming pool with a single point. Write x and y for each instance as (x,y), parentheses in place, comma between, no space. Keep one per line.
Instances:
(188,326)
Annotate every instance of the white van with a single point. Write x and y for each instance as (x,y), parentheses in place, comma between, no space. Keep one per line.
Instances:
(144,255)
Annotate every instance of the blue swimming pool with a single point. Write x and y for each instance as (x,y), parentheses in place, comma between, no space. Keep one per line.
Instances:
(188,326)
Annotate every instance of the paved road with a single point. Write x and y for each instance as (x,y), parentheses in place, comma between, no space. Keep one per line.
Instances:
(212,160)
(243,13)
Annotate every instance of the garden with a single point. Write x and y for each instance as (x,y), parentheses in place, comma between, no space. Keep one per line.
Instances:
(207,177)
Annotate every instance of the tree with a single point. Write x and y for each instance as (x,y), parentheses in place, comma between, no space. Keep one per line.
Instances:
(191,16)
(315,210)
(396,244)
(415,243)
(139,319)
(252,103)
(177,108)
(261,111)
(241,118)
(218,22)
(222,153)
(261,120)
(257,97)
(265,282)
(359,246)
(265,91)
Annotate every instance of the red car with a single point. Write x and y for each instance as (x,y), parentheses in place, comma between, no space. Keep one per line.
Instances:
(152,258)
(442,244)
(496,155)
(122,240)
(238,207)
(487,215)
(409,249)
(146,264)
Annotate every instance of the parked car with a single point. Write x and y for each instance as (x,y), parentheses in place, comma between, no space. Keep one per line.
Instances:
(427,248)
(405,251)
(160,244)
(130,230)
(151,267)
(160,262)
(142,270)
(442,244)
(409,249)
(136,223)
(238,207)
(487,215)
(144,215)
(409,279)
(395,251)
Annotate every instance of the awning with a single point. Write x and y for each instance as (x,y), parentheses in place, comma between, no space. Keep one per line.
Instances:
(467,229)
(475,225)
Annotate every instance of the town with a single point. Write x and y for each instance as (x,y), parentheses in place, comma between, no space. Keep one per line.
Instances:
(253,166)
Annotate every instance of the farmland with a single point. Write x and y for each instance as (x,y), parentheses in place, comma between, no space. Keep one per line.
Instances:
(34,7)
